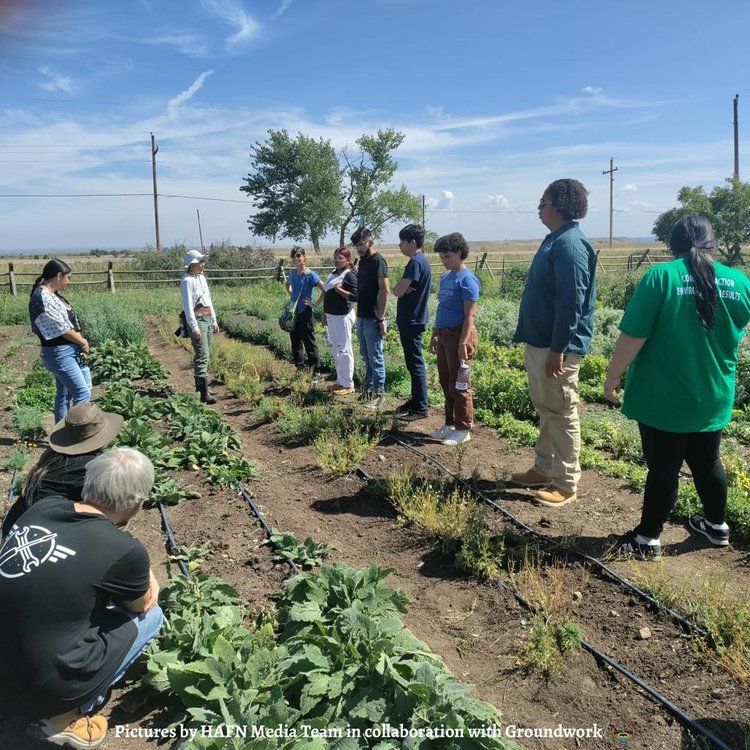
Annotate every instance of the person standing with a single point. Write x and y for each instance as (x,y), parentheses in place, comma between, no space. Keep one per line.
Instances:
(372,300)
(300,286)
(454,338)
(56,324)
(200,317)
(412,317)
(555,322)
(340,292)
(678,343)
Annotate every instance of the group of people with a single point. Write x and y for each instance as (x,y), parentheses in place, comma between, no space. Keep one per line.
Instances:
(360,294)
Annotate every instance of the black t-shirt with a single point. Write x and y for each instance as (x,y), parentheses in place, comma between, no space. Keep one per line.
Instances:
(59,569)
(411,309)
(334,303)
(370,269)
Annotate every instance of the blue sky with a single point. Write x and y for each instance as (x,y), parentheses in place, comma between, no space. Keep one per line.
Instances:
(496,99)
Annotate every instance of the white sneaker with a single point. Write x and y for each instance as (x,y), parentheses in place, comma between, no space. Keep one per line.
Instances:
(457,437)
(442,432)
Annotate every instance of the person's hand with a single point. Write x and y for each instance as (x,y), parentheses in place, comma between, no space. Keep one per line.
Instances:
(308,301)
(196,335)
(85,347)
(153,592)
(216,327)
(433,345)
(463,352)
(611,385)
(382,326)
(554,364)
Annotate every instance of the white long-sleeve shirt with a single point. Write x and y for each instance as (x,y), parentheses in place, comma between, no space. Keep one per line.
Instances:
(194,291)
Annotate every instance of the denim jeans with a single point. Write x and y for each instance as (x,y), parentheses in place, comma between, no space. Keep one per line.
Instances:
(148,626)
(411,342)
(62,362)
(371,349)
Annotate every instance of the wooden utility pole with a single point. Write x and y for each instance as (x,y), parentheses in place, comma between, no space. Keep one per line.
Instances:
(611,172)
(423,224)
(200,231)
(154,151)
(736,138)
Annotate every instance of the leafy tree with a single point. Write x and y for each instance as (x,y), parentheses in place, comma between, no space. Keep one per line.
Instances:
(727,207)
(295,184)
(368,192)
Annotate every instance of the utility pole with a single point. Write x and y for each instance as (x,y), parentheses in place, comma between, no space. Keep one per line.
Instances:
(736,139)
(423,224)
(154,151)
(200,231)
(611,172)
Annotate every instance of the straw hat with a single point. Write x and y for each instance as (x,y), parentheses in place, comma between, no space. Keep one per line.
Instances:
(84,429)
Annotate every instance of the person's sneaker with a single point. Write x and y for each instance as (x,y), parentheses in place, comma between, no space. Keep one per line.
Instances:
(628,547)
(530,478)
(85,732)
(717,537)
(315,379)
(554,498)
(377,402)
(365,396)
(341,390)
(457,437)
(405,408)
(442,432)
(413,416)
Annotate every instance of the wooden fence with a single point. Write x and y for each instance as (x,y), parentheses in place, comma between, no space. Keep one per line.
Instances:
(110,279)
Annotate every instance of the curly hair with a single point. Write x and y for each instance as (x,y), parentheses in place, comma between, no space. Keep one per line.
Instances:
(452,243)
(569,197)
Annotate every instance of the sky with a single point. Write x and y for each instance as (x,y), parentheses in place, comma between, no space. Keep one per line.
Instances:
(496,98)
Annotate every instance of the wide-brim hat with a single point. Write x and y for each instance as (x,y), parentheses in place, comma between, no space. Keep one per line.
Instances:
(84,429)
(192,256)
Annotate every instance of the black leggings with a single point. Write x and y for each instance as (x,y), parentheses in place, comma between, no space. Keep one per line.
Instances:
(303,340)
(664,453)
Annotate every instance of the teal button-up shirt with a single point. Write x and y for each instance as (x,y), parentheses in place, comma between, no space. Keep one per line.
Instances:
(557,307)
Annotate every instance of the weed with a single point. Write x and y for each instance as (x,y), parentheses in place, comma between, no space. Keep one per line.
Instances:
(548,644)
(29,421)
(339,454)
(16,460)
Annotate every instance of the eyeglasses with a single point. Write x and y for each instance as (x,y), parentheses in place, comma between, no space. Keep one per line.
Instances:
(298,255)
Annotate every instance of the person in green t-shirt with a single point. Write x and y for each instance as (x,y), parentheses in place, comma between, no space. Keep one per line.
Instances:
(678,343)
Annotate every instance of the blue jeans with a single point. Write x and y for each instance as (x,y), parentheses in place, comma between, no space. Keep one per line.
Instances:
(148,626)
(371,349)
(411,342)
(62,362)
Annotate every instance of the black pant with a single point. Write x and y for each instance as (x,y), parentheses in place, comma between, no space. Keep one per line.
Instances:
(664,453)
(411,342)
(303,338)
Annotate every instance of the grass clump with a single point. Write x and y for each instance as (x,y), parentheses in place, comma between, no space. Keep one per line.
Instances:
(339,454)
(548,644)
(16,460)
(29,421)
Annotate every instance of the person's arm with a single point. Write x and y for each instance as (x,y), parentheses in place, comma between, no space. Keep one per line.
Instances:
(76,338)
(144,603)
(408,281)
(210,304)
(318,301)
(383,293)
(626,350)
(350,294)
(403,288)
(470,310)
(188,305)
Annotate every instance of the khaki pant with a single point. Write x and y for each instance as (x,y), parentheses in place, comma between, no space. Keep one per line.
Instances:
(202,348)
(556,399)
(459,405)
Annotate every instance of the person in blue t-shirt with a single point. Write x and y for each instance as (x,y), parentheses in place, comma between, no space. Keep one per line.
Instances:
(454,338)
(412,316)
(300,285)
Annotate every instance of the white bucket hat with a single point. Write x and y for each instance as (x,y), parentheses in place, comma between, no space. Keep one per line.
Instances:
(192,256)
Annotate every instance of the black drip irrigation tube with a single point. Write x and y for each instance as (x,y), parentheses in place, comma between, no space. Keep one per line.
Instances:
(683,718)
(172,547)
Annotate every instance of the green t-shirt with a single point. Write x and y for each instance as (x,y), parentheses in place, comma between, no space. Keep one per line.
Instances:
(683,378)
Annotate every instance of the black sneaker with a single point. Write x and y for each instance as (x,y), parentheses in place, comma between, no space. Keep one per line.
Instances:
(405,408)
(628,547)
(365,396)
(413,416)
(717,537)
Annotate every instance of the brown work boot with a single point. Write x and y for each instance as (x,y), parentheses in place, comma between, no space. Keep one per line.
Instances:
(530,478)
(85,732)
(554,498)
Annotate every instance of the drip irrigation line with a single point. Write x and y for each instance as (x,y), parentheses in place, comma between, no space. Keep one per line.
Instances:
(255,510)
(12,488)
(684,623)
(172,547)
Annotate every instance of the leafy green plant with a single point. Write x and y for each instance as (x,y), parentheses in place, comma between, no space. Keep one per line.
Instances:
(38,376)
(288,548)
(121,397)
(140,434)
(41,397)
(169,491)
(16,460)
(114,360)
(29,421)
(237,469)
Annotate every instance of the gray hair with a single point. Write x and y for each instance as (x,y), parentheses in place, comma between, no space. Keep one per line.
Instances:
(118,481)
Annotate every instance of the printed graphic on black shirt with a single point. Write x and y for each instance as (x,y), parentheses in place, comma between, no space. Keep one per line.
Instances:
(29,547)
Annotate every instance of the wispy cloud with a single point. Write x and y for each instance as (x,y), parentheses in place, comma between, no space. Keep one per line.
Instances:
(185,42)
(188,93)
(592,90)
(629,187)
(283,8)
(233,14)
(53,81)
(496,201)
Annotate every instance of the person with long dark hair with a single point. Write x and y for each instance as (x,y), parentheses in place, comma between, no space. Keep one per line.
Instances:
(678,343)
(55,322)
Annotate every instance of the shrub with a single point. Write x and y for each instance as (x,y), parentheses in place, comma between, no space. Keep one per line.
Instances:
(107,318)
(29,421)
(496,320)
(339,454)
(616,289)
(500,390)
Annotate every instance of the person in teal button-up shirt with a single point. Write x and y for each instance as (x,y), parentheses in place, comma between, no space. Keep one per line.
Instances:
(556,321)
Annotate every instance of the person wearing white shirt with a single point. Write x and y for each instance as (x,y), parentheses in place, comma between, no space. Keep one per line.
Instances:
(200,317)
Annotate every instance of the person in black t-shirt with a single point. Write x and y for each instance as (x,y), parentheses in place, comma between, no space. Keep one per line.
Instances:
(372,299)
(339,292)
(79,601)
(412,317)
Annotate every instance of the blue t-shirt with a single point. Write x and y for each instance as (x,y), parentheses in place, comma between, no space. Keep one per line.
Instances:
(302,286)
(411,309)
(456,287)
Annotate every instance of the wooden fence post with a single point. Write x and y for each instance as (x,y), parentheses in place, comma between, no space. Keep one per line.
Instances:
(110,277)
(12,280)
(643,257)
(502,275)
(280,275)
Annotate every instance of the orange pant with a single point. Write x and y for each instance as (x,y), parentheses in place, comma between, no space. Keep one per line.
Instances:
(459,405)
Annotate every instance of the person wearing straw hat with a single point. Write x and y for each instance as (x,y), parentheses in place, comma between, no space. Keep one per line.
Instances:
(200,317)
(74,441)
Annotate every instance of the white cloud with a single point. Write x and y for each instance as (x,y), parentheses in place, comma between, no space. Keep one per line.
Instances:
(592,90)
(233,14)
(445,200)
(188,93)
(54,81)
(629,187)
(185,42)
(283,8)
(496,201)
